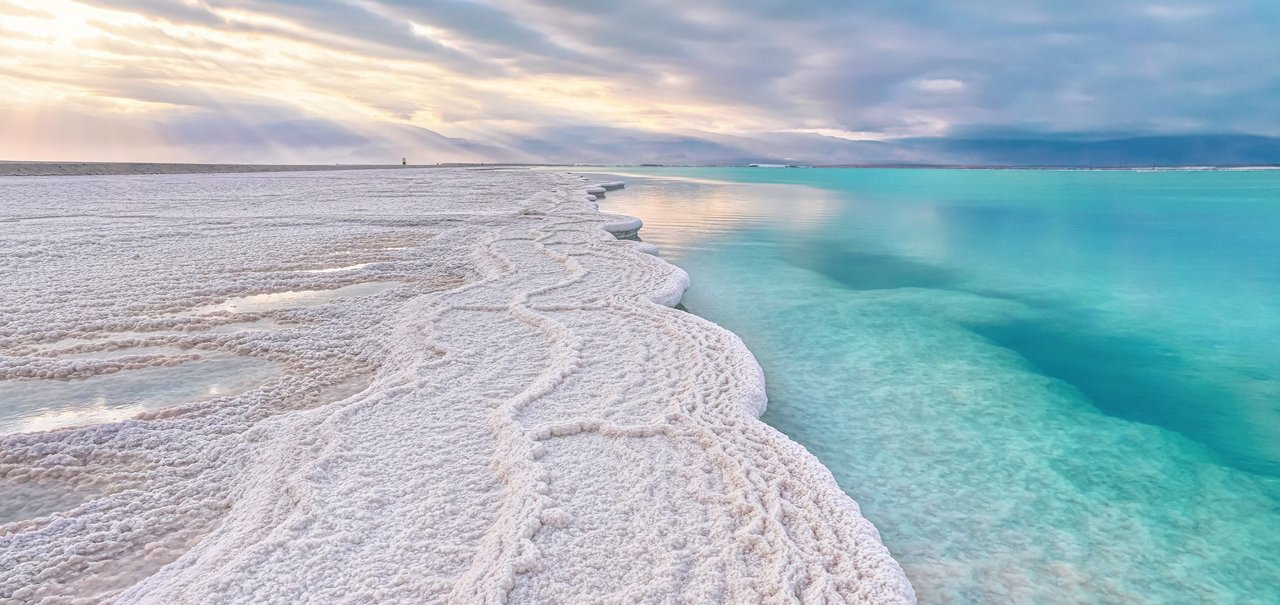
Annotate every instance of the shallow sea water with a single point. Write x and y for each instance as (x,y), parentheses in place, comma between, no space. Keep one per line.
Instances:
(1041,386)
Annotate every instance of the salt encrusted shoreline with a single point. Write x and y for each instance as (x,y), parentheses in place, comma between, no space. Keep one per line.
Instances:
(535,423)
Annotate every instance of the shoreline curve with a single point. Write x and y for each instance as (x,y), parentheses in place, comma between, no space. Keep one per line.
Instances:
(549,430)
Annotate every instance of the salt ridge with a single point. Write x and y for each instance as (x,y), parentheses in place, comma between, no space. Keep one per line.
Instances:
(533,421)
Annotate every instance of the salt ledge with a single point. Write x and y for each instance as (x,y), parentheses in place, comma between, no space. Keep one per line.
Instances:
(533,421)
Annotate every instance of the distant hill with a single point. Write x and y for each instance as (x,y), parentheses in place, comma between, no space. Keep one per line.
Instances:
(215,139)
(622,146)
(1187,150)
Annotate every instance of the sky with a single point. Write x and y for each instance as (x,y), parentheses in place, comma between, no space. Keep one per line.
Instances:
(352,81)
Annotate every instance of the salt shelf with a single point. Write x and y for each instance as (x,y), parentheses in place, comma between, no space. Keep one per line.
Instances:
(522,418)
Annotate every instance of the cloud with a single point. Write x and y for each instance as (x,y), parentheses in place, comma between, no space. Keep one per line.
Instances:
(939,84)
(508,75)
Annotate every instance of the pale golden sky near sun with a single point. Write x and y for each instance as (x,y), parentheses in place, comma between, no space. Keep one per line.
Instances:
(109,75)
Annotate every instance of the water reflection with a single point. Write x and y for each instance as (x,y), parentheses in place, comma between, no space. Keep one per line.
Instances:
(337,269)
(679,214)
(275,301)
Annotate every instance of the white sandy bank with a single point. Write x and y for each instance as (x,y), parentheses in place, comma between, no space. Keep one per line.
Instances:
(530,421)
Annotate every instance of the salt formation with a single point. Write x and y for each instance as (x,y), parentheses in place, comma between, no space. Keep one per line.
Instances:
(523,418)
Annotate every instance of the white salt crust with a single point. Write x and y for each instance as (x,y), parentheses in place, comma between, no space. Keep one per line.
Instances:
(530,421)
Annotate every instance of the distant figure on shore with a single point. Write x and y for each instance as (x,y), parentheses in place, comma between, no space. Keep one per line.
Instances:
(404,161)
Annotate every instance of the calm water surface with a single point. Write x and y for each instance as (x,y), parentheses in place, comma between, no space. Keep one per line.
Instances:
(1042,386)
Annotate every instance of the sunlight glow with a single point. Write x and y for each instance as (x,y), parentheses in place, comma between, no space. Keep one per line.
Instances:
(90,63)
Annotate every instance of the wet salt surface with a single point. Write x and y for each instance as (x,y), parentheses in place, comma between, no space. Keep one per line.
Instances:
(403,386)
(232,328)
(124,352)
(107,340)
(31,499)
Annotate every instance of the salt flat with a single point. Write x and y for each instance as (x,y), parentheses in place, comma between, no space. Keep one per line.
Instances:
(9,168)
(513,413)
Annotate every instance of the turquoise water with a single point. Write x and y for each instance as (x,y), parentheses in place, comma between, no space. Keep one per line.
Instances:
(1041,386)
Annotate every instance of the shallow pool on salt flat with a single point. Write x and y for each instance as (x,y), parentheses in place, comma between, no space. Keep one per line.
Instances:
(293,299)
(46,404)
(338,269)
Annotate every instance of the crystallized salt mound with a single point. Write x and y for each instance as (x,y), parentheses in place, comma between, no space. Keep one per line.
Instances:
(522,418)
